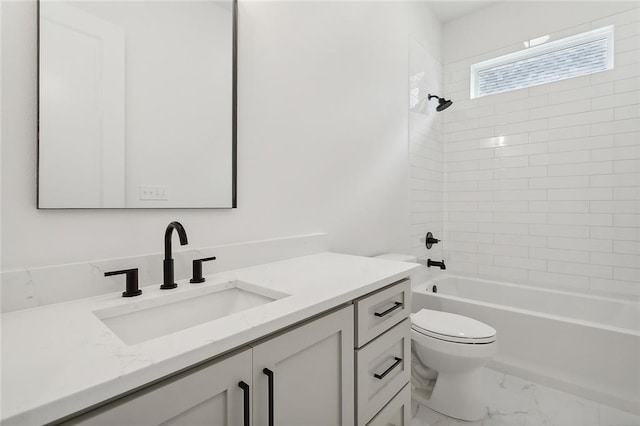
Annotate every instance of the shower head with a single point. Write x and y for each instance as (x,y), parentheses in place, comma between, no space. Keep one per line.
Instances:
(442,102)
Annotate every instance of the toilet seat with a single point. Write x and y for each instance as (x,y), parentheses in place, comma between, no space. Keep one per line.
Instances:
(451,327)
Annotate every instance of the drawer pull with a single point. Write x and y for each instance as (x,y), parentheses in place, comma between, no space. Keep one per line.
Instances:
(269,374)
(388,370)
(397,305)
(245,391)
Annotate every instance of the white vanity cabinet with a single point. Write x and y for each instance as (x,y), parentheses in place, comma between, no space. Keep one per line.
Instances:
(312,384)
(325,325)
(349,366)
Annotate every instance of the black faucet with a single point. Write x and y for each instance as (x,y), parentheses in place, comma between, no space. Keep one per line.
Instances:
(197,270)
(132,288)
(431,263)
(168,261)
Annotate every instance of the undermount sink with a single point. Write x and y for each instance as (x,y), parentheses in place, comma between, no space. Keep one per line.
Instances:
(138,322)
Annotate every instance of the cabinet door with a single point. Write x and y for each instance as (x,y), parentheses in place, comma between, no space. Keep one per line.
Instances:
(313,374)
(208,395)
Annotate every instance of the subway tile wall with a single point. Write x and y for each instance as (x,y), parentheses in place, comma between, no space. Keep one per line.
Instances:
(426,180)
(542,184)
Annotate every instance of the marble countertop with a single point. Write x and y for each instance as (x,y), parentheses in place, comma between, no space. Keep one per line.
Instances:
(59,359)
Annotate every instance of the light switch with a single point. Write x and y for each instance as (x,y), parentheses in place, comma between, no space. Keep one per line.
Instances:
(153,192)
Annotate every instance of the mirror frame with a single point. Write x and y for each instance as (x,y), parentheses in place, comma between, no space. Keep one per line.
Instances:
(234,127)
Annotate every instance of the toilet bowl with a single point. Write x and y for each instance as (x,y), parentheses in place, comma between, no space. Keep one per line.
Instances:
(457,348)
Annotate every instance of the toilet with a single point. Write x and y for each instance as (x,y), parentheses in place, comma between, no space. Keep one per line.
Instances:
(450,349)
(457,348)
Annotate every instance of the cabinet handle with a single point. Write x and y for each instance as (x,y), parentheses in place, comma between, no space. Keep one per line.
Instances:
(245,391)
(388,370)
(269,374)
(397,305)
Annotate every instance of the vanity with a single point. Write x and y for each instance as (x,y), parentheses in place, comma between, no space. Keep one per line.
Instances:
(321,339)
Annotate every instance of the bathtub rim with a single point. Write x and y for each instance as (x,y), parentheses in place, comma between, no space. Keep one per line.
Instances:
(420,288)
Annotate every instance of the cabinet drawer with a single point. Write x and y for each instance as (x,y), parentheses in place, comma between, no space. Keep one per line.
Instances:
(383,368)
(380,311)
(397,412)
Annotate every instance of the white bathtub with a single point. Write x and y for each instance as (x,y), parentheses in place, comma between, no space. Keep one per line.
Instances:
(583,344)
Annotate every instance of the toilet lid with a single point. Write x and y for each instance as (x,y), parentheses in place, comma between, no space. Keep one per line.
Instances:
(452,327)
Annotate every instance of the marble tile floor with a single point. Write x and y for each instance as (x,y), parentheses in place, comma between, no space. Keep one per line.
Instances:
(513,401)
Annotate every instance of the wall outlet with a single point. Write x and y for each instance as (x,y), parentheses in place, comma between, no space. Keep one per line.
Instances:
(154,192)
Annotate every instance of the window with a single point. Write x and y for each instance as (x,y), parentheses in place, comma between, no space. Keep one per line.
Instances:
(569,57)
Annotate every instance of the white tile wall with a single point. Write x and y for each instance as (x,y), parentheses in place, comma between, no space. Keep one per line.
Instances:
(426,155)
(542,185)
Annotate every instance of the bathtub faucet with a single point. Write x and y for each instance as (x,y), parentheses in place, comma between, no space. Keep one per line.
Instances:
(440,265)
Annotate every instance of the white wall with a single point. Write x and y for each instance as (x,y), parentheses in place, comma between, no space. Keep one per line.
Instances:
(322,138)
(542,183)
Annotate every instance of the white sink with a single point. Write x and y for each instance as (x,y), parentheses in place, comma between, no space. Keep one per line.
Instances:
(145,320)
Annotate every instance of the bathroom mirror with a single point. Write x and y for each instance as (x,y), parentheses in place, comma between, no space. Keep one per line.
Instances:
(137,104)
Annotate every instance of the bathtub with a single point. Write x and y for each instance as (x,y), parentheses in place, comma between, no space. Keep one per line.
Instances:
(583,344)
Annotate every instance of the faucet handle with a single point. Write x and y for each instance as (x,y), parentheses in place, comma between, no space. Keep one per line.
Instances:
(197,270)
(131,288)
(430,241)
